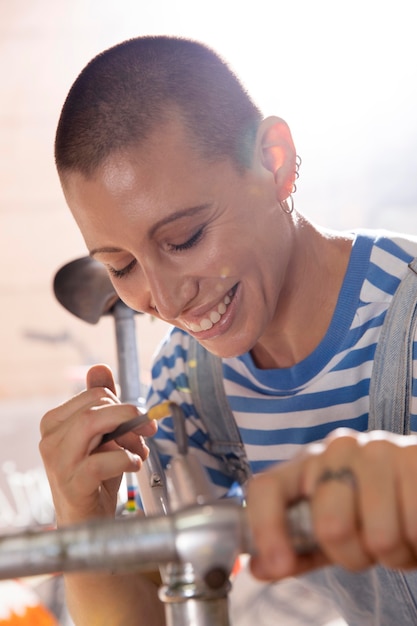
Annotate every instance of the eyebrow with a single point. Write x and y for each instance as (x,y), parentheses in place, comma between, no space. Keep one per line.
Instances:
(104,249)
(176,216)
(165,220)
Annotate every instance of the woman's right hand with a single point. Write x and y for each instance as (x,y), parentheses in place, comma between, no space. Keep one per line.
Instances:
(85,477)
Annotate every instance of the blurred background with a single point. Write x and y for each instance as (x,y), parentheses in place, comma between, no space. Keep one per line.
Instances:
(342,74)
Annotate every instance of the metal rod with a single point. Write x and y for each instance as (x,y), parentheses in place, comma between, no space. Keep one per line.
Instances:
(103,545)
(207,536)
(151,478)
(127,353)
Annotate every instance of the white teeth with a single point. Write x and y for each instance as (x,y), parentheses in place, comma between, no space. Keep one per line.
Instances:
(214,317)
(194,328)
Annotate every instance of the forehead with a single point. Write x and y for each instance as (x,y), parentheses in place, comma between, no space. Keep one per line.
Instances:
(142,185)
(165,155)
(167,152)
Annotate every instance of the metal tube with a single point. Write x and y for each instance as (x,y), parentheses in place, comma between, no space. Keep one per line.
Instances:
(125,543)
(127,354)
(151,478)
(207,537)
(191,612)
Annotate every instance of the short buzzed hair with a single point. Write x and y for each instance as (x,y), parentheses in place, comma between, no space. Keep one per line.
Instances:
(123,92)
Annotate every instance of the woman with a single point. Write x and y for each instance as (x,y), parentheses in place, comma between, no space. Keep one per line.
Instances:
(184,192)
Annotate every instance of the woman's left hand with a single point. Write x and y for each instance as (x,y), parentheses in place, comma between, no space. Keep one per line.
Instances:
(362,489)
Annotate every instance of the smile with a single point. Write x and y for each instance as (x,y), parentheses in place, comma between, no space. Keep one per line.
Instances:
(212,318)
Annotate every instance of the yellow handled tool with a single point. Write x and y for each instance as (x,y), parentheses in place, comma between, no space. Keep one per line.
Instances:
(156,412)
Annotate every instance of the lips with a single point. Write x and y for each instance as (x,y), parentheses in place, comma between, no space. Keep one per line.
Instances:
(211,318)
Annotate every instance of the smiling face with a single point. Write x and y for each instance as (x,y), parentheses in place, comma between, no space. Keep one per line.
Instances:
(196,243)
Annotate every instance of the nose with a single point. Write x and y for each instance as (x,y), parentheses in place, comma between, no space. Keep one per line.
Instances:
(169,293)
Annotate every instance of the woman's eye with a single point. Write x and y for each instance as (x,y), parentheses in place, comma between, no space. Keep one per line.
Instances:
(124,271)
(189,243)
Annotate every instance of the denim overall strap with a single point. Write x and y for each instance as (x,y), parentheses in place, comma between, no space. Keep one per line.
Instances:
(391,381)
(379,596)
(205,375)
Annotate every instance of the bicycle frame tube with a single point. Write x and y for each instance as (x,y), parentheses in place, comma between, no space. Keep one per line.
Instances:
(193,536)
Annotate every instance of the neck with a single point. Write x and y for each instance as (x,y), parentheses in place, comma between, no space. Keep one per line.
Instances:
(308,298)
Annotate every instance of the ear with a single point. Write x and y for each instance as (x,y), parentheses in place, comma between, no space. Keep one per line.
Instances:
(277,154)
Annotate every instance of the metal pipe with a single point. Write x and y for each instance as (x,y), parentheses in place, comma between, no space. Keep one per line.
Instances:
(127,354)
(208,538)
(124,543)
(151,478)
(192,612)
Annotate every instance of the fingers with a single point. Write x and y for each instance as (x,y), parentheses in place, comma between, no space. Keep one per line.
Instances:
(362,499)
(100,395)
(361,522)
(102,417)
(388,505)
(269,496)
(406,493)
(267,499)
(84,474)
(136,442)
(102,468)
(85,426)
(101,376)
(336,506)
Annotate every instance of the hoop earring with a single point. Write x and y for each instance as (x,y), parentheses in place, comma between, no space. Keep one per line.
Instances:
(287,208)
(298,162)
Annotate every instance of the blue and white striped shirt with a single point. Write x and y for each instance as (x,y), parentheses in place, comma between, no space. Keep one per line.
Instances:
(279,410)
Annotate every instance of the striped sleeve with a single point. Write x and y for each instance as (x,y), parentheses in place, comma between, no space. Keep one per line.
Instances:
(170,382)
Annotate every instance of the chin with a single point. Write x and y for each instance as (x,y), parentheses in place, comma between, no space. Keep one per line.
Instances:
(228,349)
